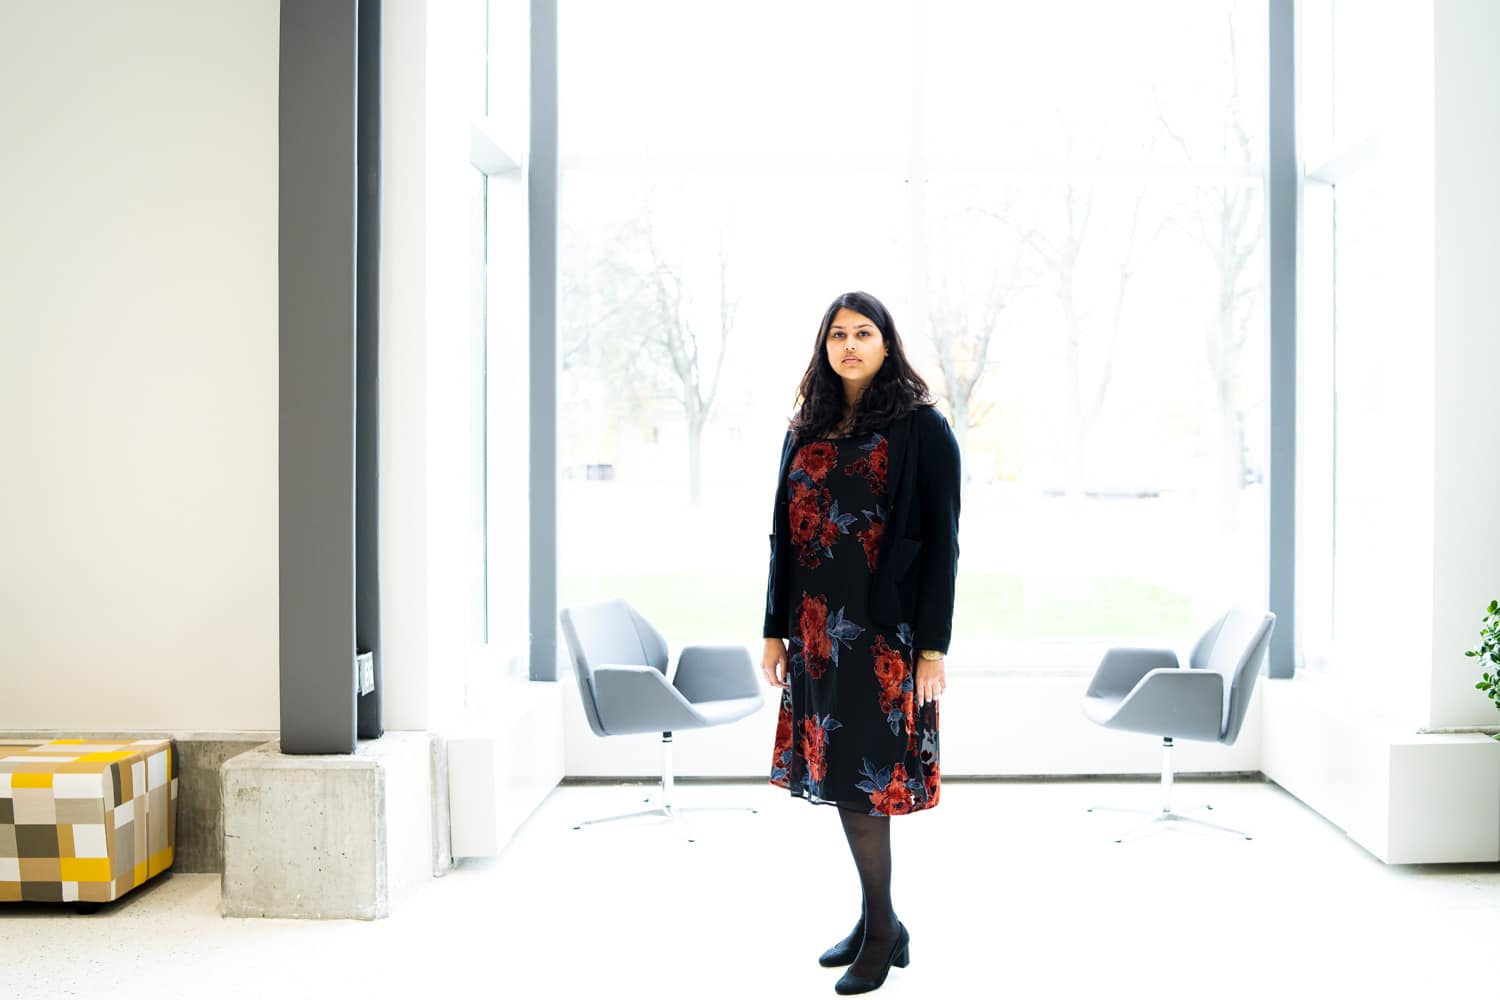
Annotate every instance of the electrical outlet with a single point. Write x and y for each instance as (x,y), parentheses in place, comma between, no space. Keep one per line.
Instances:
(365,673)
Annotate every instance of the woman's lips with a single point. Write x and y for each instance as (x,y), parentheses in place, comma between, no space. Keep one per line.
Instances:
(851,361)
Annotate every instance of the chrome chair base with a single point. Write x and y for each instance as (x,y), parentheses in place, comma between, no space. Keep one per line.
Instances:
(663,808)
(1161,818)
(666,813)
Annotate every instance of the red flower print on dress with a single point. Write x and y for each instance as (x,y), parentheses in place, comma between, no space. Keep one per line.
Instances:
(819,635)
(909,715)
(932,785)
(817,459)
(893,674)
(812,510)
(781,753)
(816,522)
(806,513)
(927,756)
(870,537)
(889,789)
(814,644)
(873,465)
(814,746)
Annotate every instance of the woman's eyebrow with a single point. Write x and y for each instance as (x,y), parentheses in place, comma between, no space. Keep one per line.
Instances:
(857,326)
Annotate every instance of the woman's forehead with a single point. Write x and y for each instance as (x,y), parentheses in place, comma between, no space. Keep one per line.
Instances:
(847,317)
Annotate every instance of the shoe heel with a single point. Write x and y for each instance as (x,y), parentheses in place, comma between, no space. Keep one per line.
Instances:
(903,957)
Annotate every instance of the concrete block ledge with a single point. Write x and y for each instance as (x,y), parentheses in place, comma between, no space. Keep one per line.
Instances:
(327,836)
(1406,797)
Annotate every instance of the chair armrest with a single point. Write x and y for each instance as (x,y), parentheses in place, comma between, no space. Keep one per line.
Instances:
(1174,702)
(1122,669)
(638,699)
(714,673)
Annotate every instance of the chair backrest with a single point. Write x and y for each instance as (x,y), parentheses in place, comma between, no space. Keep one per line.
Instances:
(610,632)
(1233,648)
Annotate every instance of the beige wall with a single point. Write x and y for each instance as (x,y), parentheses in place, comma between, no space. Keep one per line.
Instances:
(138,393)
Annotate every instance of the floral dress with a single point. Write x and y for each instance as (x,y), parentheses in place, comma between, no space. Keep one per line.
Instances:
(848,732)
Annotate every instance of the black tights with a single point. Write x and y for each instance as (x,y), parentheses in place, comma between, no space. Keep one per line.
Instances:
(870,843)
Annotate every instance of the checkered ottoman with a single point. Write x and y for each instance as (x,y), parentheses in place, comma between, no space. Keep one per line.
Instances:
(85,820)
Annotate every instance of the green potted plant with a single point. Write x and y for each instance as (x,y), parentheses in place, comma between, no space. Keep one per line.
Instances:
(1488,651)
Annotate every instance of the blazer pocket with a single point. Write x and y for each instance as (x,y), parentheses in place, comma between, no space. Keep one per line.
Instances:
(894,595)
(904,556)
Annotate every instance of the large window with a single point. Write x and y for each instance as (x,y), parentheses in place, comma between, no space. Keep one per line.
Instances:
(1063,206)
(1364,421)
(498,399)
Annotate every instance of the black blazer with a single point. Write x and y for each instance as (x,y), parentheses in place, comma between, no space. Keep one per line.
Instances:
(914,575)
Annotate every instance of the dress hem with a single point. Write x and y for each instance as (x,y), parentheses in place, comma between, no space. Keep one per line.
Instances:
(817,800)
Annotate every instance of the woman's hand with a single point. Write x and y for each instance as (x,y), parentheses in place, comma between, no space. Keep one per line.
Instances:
(932,680)
(773,663)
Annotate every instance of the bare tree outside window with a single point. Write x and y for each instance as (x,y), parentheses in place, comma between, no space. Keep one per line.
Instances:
(1228,221)
(634,333)
(1090,342)
(966,306)
(694,348)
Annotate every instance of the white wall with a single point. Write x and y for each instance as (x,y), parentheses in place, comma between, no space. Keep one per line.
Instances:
(138,393)
(403,365)
(1405,795)
(1466,561)
(428,91)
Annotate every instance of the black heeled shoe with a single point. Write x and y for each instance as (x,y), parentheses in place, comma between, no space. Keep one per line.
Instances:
(900,956)
(843,953)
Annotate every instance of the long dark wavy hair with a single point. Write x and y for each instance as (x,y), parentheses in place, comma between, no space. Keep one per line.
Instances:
(896,390)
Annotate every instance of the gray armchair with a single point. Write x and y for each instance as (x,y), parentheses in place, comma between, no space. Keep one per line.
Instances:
(1146,691)
(621,663)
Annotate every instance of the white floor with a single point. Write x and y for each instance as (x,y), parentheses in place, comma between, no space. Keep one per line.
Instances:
(1009,889)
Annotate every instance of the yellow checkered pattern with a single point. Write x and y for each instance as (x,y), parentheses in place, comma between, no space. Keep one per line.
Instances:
(85,820)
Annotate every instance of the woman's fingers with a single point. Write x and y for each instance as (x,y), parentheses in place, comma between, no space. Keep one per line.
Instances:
(931,681)
(775,672)
(773,663)
(930,691)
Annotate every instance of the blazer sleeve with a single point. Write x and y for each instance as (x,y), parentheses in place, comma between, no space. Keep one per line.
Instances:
(775,623)
(939,489)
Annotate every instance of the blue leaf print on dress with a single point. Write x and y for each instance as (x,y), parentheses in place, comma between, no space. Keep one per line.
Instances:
(875,780)
(903,632)
(842,521)
(843,632)
(897,719)
(839,521)
(779,771)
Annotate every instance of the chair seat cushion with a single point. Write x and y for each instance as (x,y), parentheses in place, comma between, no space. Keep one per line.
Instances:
(1101,708)
(726,709)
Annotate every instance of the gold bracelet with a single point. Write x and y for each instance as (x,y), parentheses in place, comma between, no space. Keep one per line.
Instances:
(930,654)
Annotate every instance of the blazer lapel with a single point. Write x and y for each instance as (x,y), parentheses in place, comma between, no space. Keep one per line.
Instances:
(898,446)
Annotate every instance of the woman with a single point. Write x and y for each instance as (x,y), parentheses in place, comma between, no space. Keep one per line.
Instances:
(863,558)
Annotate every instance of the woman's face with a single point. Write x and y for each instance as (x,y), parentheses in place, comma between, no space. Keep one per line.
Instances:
(856,350)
